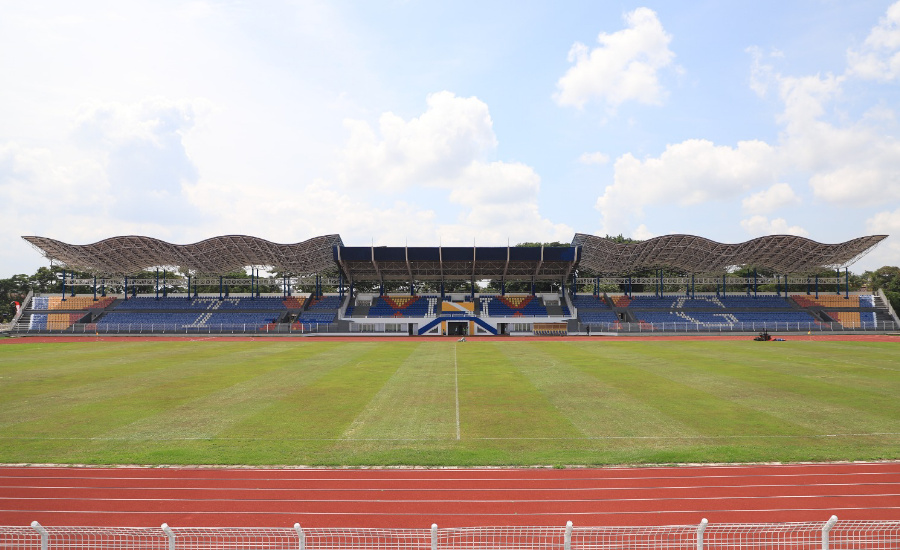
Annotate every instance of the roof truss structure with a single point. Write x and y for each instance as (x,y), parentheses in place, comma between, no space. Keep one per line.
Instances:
(692,254)
(685,253)
(218,255)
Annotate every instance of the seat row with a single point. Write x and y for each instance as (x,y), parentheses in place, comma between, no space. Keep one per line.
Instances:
(513,306)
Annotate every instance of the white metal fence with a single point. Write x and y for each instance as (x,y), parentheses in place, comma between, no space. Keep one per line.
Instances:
(829,535)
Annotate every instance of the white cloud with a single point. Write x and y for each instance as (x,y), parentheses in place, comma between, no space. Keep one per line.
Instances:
(761,225)
(593,158)
(778,196)
(642,233)
(439,160)
(622,68)
(451,134)
(842,161)
(879,57)
(885,222)
(686,173)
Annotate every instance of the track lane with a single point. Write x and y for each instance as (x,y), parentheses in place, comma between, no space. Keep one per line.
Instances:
(450,497)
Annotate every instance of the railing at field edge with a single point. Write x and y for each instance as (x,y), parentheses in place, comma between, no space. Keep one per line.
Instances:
(828,535)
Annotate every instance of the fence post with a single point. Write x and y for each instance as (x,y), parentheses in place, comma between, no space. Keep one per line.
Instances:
(700,529)
(300,535)
(45,536)
(826,529)
(169,533)
(434,536)
(567,542)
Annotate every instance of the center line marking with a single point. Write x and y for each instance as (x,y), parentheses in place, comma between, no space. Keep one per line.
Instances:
(456,384)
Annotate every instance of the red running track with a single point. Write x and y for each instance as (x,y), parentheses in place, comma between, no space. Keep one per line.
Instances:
(416,498)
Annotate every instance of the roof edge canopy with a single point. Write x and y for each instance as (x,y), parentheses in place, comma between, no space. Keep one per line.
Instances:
(692,254)
(687,253)
(132,254)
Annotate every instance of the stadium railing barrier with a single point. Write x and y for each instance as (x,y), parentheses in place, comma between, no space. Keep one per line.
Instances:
(828,535)
(882,326)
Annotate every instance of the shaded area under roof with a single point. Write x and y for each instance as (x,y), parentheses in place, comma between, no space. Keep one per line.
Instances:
(692,254)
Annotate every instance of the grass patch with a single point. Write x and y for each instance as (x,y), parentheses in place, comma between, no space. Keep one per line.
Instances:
(484,402)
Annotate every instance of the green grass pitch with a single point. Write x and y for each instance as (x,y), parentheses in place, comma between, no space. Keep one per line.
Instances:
(483,402)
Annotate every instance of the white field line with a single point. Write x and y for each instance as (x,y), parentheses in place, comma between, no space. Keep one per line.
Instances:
(456,388)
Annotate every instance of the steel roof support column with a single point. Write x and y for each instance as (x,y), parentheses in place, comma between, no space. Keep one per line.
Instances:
(95,288)
(126,287)
(165,280)
(103,288)
(755,281)
(817,286)
(157,284)
(220,287)
(188,293)
(846,284)
(64,286)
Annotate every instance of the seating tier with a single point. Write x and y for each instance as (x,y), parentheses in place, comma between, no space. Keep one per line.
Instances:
(826,300)
(589,301)
(513,306)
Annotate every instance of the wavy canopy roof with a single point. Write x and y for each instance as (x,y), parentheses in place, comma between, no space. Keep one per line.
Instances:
(692,254)
(687,253)
(132,254)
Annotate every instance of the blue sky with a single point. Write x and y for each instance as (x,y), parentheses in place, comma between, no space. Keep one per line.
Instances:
(449,123)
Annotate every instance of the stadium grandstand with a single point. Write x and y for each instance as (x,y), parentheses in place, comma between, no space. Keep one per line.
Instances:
(673,283)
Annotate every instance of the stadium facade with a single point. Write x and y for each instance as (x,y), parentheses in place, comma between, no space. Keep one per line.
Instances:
(323,285)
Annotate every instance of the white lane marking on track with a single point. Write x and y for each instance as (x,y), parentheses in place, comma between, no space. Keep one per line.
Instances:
(381,490)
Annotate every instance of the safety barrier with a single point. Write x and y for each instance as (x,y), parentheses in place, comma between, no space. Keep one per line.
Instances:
(828,535)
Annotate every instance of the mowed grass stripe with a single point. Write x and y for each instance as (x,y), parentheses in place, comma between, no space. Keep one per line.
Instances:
(852,364)
(33,391)
(631,370)
(417,402)
(824,405)
(498,401)
(596,408)
(324,408)
(187,376)
(275,373)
